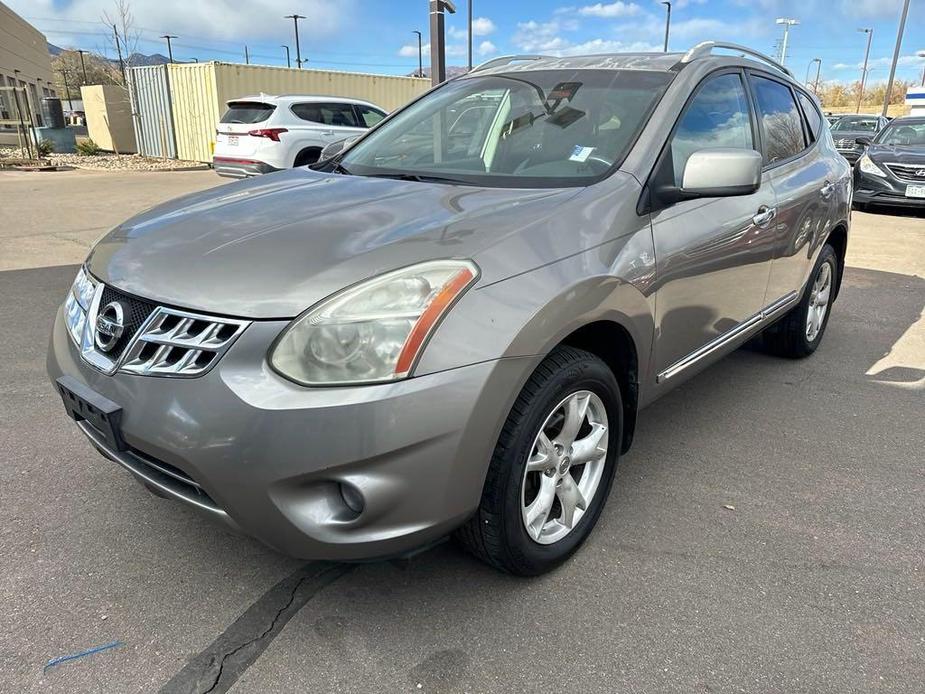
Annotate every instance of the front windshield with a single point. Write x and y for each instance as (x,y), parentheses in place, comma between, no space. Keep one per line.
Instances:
(909,134)
(522,129)
(859,124)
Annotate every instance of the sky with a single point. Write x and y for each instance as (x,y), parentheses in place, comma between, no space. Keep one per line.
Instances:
(376,35)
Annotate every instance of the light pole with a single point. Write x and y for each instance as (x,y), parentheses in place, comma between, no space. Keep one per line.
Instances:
(83,67)
(787,24)
(437,38)
(288,63)
(818,72)
(247,56)
(169,47)
(469,3)
(896,49)
(667,24)
(295,22)
(921,54)
(870,36)
(420,53)
(810,67)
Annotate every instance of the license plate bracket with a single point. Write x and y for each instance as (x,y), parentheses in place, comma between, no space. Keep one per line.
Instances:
(84,404)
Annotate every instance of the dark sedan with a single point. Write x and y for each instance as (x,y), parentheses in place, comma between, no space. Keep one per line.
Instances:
(849,128)
(892,170)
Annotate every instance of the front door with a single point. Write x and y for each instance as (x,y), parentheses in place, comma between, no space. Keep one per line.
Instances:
(713,254)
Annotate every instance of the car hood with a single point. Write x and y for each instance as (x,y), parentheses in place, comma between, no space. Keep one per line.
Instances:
(272,246)
(897,154)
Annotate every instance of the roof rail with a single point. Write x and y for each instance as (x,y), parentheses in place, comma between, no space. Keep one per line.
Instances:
(506,60)
(702,50)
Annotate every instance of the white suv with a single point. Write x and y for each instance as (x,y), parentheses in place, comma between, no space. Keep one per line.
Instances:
(260,134)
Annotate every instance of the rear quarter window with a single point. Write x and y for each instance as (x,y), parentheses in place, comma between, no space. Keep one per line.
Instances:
(813,117)
(247,112)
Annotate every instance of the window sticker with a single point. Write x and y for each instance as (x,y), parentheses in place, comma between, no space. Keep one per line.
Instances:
(581,153)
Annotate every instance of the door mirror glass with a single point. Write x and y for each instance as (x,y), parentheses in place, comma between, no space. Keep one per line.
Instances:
(721,172)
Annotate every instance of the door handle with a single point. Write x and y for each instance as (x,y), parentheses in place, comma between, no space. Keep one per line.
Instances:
(764,216)
(827,190)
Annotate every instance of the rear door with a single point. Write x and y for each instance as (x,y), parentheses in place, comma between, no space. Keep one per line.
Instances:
(803,177)
(328,121)
(713,254)
(231,138)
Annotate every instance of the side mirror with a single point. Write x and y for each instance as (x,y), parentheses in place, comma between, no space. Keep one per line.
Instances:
(721,172)
(332,149)
(863,141)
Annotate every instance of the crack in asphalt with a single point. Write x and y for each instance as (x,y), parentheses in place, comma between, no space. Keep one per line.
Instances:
(218,667)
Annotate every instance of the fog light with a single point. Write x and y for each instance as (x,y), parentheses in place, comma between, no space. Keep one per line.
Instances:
(352,497)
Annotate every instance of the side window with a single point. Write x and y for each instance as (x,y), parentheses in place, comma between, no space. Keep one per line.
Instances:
(369,116)
(813,119)
(783,129)
(339,114)
(309,112)
(717,116)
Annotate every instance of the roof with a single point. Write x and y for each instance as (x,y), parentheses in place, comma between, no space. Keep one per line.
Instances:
(609,61)
(293,98)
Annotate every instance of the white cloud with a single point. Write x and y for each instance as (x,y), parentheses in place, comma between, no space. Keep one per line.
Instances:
(209,19)
(487,48)
(872,9)
(610,11)
(542,37)
(885,62)
(410,50)
(481,26)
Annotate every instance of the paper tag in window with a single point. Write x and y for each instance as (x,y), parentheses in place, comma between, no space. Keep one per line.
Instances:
(581,153)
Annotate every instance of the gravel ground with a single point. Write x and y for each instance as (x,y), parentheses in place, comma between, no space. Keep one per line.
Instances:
(109,162)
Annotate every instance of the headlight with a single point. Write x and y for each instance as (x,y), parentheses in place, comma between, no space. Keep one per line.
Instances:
(372,332)
(77,305)
(866,164)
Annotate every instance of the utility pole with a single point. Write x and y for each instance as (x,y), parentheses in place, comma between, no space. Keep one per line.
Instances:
(288,62)
(870,36)
(169,49)
(298,52)
(899,43)
(115,33)
(83,67)
(667,24)
(438,39)
(420,53)
(469,4)
(787,22)
(67,90)
(247,56)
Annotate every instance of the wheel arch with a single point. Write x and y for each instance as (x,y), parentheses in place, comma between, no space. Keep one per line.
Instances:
(838,239)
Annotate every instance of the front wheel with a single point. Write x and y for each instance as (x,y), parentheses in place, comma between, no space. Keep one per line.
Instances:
(799,333)
(552,467)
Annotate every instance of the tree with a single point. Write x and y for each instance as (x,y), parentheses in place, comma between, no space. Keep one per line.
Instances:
(123,36)
(99,71)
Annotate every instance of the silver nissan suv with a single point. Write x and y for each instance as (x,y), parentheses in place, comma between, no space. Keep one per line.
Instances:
(450,327)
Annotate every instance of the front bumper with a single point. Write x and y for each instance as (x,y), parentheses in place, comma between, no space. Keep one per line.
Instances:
(243,446)
(240,168)
(876,190)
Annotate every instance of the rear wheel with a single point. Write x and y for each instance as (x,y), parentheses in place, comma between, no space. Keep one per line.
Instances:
(552,467)
(307,156)
(799,333)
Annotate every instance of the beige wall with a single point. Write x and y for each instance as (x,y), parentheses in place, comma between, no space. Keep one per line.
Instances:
(23,48)
(109,117)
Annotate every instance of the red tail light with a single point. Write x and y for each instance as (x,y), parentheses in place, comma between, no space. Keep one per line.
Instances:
(272,133)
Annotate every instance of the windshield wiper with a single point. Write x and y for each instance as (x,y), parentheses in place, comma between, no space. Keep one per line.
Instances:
(422,178)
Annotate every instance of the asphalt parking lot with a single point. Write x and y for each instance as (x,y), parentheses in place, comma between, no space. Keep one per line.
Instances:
(764,534)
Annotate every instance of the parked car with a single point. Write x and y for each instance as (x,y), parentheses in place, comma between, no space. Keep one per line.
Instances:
(892,169)
(260,134)
(428,335)
(832,118)
(849,128)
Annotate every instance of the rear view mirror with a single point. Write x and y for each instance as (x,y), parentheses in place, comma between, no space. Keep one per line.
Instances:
(721,172)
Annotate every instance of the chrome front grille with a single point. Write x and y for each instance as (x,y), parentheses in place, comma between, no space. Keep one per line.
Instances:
(846,143)
(178,343)
(153,340)
(908,172)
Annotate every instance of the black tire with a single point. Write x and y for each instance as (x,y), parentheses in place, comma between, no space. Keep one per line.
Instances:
(307,156)
(788,337)
(496,533)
